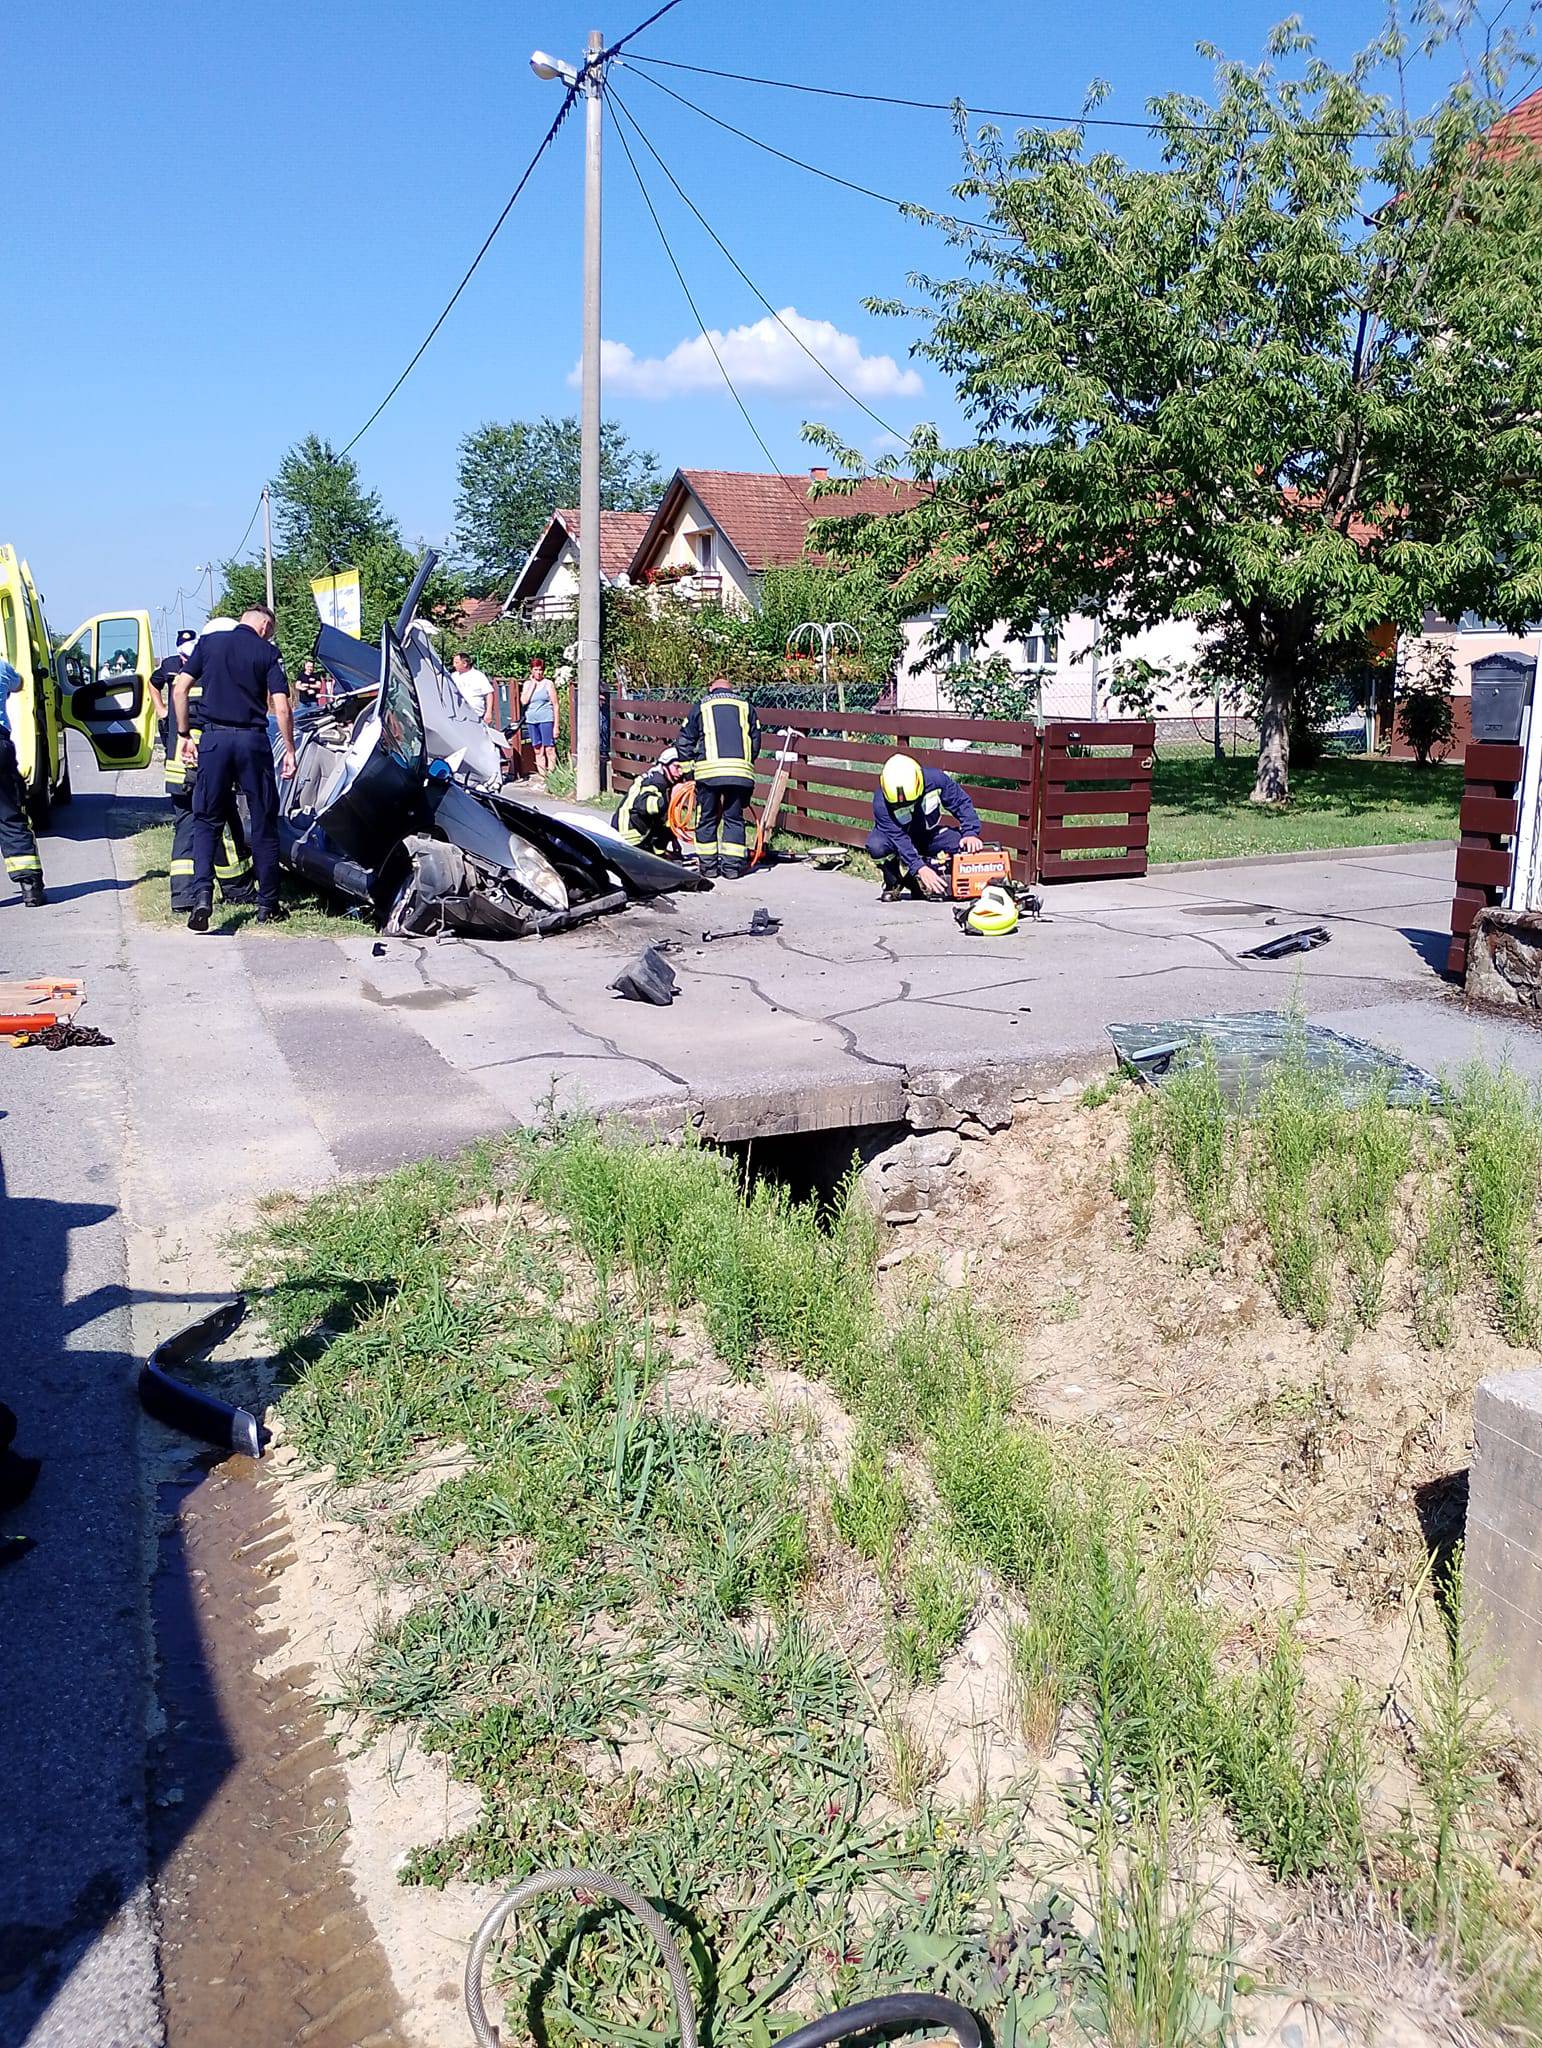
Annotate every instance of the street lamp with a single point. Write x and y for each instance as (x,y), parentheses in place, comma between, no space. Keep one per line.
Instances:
(549,68)
(587,766)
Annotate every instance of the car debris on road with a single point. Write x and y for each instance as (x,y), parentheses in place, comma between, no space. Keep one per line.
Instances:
(396,805)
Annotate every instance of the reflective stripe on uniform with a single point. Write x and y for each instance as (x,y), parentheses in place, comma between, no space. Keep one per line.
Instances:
(23,864)
(181,867)
(642,806)
(234,863)
(725,739)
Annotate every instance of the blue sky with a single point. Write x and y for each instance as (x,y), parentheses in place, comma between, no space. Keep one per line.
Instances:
(236,222)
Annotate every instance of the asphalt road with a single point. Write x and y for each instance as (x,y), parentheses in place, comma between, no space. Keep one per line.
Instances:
(77,1962)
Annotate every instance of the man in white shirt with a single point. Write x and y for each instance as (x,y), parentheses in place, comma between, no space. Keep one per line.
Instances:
(475,688)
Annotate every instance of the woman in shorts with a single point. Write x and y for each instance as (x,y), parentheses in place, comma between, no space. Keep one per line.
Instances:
(540,714)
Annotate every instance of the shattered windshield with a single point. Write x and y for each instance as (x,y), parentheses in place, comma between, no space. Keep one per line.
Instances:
(401,728)
(1246,1046)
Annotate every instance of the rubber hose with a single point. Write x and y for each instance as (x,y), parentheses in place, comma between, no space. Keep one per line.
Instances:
(624,1894)
(905,2010)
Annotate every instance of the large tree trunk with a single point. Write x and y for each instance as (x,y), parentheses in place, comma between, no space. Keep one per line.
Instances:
(1274,707)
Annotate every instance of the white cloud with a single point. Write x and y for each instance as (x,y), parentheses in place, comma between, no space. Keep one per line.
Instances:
(761,357)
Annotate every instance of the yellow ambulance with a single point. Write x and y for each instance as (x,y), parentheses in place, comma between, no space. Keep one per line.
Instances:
(98,681)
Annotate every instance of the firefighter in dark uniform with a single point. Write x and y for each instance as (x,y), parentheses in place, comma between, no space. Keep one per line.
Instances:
(721,739)
(242,681)
(642,816)
(18,847)
(233,862)
(909,840)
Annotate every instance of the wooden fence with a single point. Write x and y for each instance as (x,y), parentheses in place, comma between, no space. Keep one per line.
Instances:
(1485,855)
(1069,801)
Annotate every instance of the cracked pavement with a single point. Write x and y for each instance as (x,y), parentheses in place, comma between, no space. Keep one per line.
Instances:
(829,1022)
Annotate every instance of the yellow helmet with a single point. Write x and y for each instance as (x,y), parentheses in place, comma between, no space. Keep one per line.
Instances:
(992,914)
(902,781)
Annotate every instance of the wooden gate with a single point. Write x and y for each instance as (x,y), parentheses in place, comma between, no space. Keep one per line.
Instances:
(1068,802)
(1095,803)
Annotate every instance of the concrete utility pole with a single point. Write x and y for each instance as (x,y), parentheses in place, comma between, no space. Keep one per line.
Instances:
(586,741)
(267,545)
(589,767)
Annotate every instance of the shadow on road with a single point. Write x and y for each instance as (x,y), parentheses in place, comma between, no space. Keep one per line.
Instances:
(94,1812)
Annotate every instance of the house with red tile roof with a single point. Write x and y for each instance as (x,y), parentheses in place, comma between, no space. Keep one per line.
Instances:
(716,531)
(479,611)
(547,586)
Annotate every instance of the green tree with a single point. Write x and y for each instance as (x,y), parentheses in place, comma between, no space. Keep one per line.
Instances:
(1288,383)
(514,474)
(813,591)
(322,513)
(324,519)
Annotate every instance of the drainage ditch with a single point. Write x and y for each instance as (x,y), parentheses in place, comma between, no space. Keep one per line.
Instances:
(262,1938)
(811,1165)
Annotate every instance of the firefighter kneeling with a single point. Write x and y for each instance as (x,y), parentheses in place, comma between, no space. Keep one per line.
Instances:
(642,816)
(909,838)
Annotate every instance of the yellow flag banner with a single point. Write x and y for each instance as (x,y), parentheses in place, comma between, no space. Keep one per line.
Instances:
(340,601)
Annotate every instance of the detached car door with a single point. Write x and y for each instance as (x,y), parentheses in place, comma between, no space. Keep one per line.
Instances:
(104,680)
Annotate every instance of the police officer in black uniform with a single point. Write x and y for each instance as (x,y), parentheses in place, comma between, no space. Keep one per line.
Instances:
(242,678)
(233,865)
(162,676)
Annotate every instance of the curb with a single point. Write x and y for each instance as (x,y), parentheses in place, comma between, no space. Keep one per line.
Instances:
(1282,860)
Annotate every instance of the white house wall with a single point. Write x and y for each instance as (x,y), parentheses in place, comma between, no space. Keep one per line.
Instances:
(560,583)
(1075,685)
(1464,648)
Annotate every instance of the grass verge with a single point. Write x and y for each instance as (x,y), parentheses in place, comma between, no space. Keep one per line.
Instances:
(151,897)
(1200,808)
(1326,1186)
(665,1626)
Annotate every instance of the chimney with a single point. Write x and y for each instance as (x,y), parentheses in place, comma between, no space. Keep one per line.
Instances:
(819,475)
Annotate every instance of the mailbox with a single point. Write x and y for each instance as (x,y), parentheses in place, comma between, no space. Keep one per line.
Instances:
(1501,690)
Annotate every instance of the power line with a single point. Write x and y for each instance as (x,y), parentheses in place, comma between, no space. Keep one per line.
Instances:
(833,177)
(823,367)
(800,496)
(241,543)
(632,33)
(887,99)
(547,139)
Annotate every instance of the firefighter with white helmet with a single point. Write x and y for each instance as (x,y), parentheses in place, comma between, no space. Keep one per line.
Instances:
(642,816)
(910,839)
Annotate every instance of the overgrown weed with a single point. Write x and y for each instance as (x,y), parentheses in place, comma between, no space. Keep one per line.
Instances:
(611,1565)
(1333,1183)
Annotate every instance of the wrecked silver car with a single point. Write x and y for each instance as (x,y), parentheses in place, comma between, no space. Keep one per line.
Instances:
(395,805)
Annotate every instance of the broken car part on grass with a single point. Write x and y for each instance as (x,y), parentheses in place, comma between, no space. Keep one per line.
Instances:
(1245,1047)
(183,1407)
(395,805)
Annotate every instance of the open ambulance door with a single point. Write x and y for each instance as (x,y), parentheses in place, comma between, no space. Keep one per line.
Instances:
(104,676)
